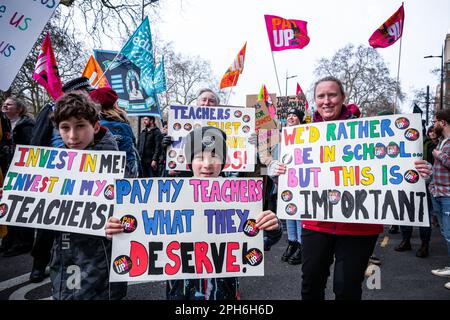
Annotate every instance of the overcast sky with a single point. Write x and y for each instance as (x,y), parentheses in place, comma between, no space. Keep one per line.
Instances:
(217,30)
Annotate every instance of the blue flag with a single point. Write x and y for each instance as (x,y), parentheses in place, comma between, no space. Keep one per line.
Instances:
(159,78)
(139,50)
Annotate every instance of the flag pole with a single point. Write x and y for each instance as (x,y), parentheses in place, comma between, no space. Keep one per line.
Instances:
(276,72)
(231,89)
(398,73)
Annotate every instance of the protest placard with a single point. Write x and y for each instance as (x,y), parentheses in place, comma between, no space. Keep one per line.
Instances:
(358,171)
(187,229)
(21,22)
(61,189)
(237,123)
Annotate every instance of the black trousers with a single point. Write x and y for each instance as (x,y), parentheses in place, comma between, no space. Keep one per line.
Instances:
(351,255)
(42,248)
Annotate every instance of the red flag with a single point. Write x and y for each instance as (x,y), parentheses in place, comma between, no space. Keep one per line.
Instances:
(390,31)
(301,95)
(46,70)
(231,76)
(286,33)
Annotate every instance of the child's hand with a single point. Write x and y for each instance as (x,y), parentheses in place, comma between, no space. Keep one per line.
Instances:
(267,220)
(113,226)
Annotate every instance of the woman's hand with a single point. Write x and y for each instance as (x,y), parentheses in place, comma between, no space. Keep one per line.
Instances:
(276,168)
(113,226)
(424,168)
(267,220)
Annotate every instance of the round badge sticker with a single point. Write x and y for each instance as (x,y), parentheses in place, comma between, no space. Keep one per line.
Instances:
(286,196)
(250,228)
(187,126)
(109,192)
(334,196)
(412,134)
(287,158)
(172,164)
(291,209)
(122,264)
(380,151)
(238,113)
(172,153)
(246,118)
(393,150)
(246,129)
(411,176)
(129,223)
(3,210)
(402,123)
(253,257)
(180,158)
(177,126)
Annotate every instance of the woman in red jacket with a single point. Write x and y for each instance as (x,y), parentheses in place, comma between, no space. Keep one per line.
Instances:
(349,245)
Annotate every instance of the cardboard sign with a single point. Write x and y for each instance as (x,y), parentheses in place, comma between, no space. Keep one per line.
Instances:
(187,229)
(358,171)
(21,22)
(237,123)
(61,189)
(263,120)
(293,102)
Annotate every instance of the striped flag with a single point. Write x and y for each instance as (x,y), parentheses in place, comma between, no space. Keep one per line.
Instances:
(93,72)
(46,70)
(231,76)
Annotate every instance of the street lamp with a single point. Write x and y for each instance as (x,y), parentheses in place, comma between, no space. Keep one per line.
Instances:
(441,102)
(287,78)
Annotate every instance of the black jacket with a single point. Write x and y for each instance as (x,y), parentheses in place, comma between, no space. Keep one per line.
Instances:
(150,145)
(23,130)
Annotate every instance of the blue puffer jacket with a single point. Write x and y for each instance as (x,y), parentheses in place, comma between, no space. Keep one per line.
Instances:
(79,269)
(126,141)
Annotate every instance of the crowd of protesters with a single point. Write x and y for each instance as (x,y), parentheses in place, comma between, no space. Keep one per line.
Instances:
(88,118)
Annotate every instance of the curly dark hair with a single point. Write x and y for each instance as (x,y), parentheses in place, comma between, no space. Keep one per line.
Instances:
(75,104)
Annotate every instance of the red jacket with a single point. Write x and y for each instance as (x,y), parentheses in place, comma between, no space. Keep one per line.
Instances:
(341,228)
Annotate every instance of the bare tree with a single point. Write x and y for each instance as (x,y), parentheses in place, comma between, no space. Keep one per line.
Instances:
(365,77)
(70,58)
(185,75)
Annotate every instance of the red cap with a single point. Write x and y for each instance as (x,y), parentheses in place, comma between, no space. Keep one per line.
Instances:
(106,97)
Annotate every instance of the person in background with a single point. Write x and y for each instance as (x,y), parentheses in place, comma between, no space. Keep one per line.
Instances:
(5,160)
(293,252)
(149,147)
(18,239)
(440,185)
(115,119)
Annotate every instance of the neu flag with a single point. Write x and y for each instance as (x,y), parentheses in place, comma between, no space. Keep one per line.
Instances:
(264,96)
(231,76)
(139,50)
(286,33)
(159,78)
(46,70)
(390,31)
(94,72)
(301,95)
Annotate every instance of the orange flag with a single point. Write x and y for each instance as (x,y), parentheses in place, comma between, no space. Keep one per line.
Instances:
(231,76)
(93,72)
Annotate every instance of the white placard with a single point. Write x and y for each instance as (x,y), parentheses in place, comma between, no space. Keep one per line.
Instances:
(237,123)
(187,229)
(358,171)
(21,22)
(61,189)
